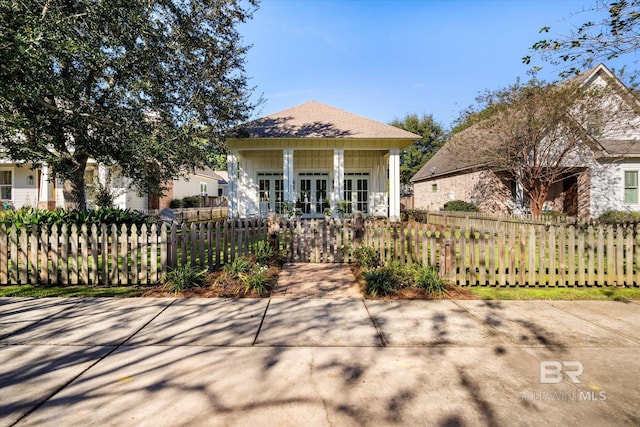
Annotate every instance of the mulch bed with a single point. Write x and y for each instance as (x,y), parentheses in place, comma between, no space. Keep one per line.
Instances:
(218,285)
(451,291)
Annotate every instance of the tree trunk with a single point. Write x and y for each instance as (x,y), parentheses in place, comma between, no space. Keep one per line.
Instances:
(73,187)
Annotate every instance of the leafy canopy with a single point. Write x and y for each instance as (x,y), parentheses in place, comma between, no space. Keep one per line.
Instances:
(610,30)
(417,154)
(147,85)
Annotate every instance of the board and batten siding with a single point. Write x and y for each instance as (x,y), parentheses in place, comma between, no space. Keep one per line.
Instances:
(373,162)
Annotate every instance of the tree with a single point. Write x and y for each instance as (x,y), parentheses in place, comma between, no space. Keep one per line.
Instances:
(417,154)
(148,86)
(611,30)
(539,134)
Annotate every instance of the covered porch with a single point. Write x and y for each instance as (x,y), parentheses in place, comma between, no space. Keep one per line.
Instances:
(315,182)
(318,160)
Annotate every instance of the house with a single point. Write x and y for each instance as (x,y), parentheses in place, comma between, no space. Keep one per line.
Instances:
(315,156)
(206,184)
(605,178)
(26,185)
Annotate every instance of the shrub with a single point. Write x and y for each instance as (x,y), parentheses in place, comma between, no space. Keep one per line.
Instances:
(27,217)
(256,280)
(619,217)
(460,206)
(104,197)
(238,267)
(367,257)
(175,204)
(263,252)
(185,277)
(426,277)
(191,202)
(378,282)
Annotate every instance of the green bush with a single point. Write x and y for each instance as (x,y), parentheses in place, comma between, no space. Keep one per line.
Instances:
(367,257)
(191,202)
(426,277)
(238,267)
(619,217)
(257,280)
(460,206)
(27,217)
(379,282)
(263,252)
(175,204)
(185,277)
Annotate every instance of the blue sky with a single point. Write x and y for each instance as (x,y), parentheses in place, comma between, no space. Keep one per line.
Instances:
(383,59)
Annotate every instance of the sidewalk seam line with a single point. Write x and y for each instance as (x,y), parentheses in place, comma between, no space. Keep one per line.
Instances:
(375,325)
(72,380)
(255,338)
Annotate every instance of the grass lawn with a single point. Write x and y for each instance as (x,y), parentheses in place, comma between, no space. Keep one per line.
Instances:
(32,291)
(566,294)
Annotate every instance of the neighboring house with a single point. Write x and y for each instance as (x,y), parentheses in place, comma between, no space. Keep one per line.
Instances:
(20,185)
(315,156)
(203,183)
(24,186)
(223,185)
(606,178)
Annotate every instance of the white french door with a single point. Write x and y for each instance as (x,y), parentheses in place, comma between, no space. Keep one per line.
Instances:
(313,192)
(356,192)
(270,192)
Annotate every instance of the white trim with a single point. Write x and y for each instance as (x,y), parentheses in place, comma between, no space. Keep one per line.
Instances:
(232,171)
(288,175)
(394,184)
(338,178)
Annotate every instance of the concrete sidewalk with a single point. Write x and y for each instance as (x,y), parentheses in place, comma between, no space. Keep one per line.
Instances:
(324,362)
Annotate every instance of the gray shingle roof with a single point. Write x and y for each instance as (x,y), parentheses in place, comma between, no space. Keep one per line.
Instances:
(316,120)
(449,161)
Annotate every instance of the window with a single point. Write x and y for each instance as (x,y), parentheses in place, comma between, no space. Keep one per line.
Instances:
(5,185)
(434,187)
(631,187)
(203,188)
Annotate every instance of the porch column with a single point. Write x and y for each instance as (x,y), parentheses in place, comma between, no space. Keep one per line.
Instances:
(46,189)
(232,171)
(338,178)
(288,175)
(102,174)
(394,184)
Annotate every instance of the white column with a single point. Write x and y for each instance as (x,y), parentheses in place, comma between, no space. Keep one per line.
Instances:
(288,175)
(394,184)
(102,174)
(43,194)
(232,170)
(338,178)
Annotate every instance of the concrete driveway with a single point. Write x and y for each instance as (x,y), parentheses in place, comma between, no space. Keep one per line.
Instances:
(320,362)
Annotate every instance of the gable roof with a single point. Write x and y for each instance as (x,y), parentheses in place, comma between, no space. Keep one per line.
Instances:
(316,120)
(447,162)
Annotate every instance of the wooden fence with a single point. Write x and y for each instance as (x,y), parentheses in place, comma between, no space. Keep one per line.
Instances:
(126,255)
(484,221)
(516,255)
(193,214)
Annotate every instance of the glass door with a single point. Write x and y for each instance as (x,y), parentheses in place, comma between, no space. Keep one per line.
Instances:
(270,192)
(356,192)
(313,192)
